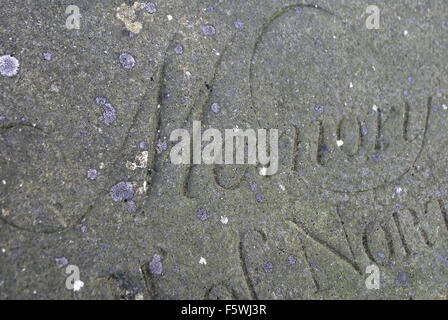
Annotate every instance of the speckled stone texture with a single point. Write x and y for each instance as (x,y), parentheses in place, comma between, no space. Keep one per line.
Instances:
(86,177)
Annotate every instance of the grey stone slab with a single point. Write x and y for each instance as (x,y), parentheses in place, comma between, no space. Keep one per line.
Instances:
(86,178)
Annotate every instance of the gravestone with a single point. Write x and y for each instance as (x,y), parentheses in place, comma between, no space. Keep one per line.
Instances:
(85,171)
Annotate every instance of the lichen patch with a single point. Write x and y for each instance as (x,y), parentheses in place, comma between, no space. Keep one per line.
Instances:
(127,14)
(141,161)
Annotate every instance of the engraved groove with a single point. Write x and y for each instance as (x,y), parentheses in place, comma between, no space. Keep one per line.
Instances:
(303,230)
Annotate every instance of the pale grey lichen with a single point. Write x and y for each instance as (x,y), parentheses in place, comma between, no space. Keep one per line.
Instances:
(122,191)
(268,267)
(127,61)
(151,7)
(319,108)
(364,130)
(92,174)
(48,56)
(144,146)
(155,266)
(215,107)
(292,260)
(260,198)
(202,214)
(208,30)
(61,261)
(179,49)
(253,186)
(239,24)
(131,206)
(402,279)
(161,145)
(9,66)
(109,114)
(100,100)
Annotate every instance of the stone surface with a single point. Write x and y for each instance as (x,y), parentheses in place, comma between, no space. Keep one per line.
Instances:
(314,72)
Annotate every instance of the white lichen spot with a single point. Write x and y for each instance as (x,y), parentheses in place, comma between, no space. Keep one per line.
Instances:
(351,85)
(54,88)
(131,165)
(405,32)
(4,181)
(169,17)
(78,285)
(127,15)
(143,188)
(263,171)
(398,190)
(5,212)
(224,220)
(139,296)
(282,187)
(141,161)
(202,261)
(375,108)
(445,107)
(339,143)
